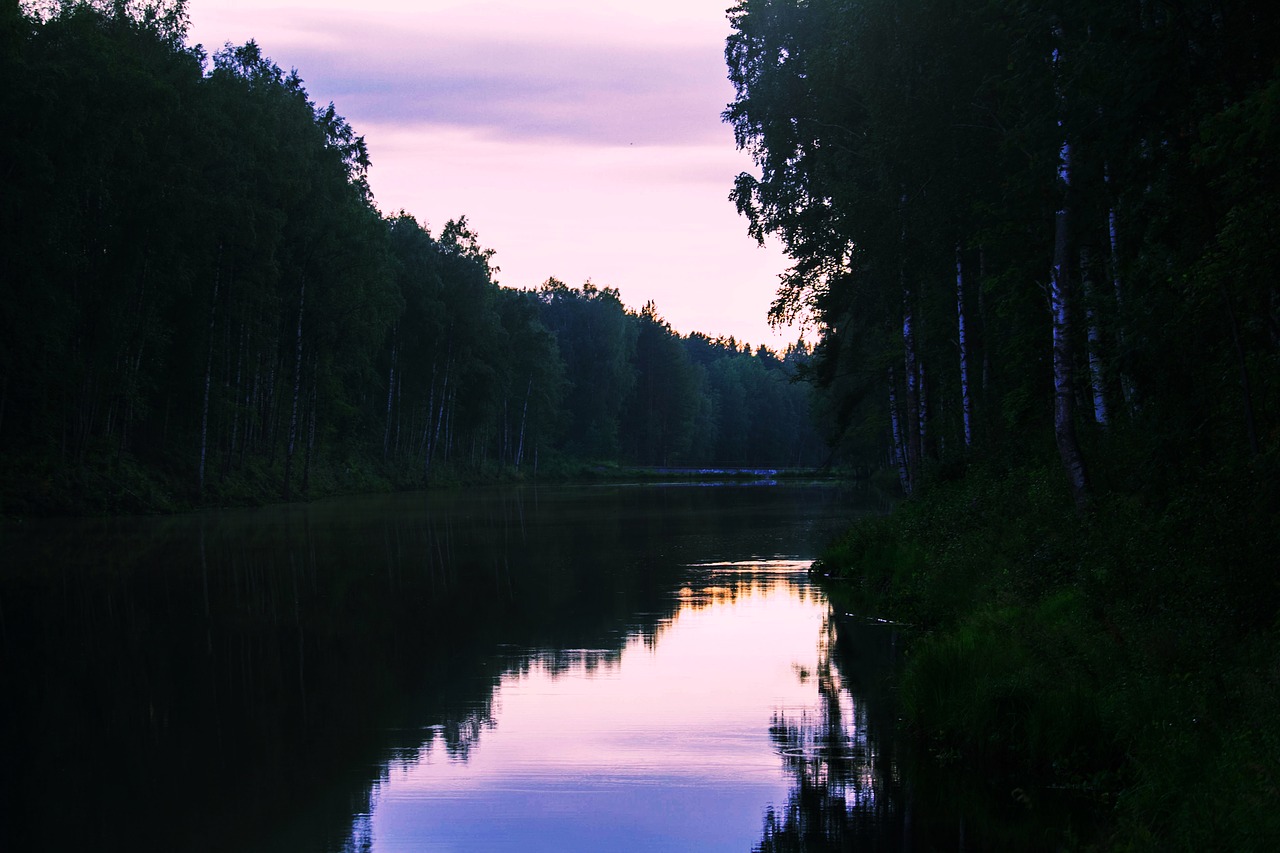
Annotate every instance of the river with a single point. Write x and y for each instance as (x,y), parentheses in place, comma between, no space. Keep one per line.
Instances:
(606,667)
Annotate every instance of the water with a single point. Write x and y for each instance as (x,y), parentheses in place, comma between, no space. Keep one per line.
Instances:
(588,668)
(663,744)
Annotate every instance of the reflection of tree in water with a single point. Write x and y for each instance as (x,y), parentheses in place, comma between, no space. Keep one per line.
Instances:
(558,662)
(725,583)
(841,797)
(281,656)
(458,735)
(361,838)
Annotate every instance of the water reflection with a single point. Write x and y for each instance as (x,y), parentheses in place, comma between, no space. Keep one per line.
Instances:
(255,680)
(845,792)
(668,745)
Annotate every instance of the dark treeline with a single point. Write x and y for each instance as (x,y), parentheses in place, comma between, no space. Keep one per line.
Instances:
(1024,225)
(202,303)
(1039,240)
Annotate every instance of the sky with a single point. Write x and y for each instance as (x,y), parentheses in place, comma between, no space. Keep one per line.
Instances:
(581,138)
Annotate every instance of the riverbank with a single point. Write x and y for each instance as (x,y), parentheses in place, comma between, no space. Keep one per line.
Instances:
(1130,653)
(293,660)
(123,484)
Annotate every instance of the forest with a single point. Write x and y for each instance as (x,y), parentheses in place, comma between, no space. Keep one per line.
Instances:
(1039,241)
(1012,218)
(203,304)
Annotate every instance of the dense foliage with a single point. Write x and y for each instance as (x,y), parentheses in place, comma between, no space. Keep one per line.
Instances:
(202,304)
(1124,657)
(1039,241)
(1018,219)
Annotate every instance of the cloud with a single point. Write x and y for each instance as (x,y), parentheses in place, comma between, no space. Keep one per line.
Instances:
(535,91)
(582,138)
(597,84)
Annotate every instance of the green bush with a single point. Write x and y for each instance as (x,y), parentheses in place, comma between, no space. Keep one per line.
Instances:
(1130,651)
(1017,689)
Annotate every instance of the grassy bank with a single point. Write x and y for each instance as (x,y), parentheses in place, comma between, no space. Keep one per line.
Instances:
(122,483)
(1131,652)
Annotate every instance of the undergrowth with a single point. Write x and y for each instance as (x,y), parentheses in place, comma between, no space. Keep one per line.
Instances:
(1130,652)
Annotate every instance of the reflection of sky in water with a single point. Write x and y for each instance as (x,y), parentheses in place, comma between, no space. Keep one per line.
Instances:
(666,748)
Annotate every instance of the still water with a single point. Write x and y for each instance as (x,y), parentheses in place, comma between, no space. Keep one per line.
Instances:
(574,668)
(663,745)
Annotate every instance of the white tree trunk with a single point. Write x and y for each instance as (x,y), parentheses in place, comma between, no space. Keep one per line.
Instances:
(435,438)
(391,386)
(966,399)
(208,375)
(1126,381)
(311,426)
(1060,307)
(899,452)
(911,429)
(1097,380)
(297,391)
(524,414)
(233,443)
(924,407)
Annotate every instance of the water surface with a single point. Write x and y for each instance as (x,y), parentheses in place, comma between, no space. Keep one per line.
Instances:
(586,668)
(664,744)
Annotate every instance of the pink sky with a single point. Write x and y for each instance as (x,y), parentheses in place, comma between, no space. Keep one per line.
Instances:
(581,138)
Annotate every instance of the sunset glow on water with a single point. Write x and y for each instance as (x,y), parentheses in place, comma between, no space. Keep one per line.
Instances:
(671,740)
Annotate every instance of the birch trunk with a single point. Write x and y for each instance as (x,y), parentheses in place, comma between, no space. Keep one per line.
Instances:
(424,449)
(912,426)
(391,385)
(524,414)
(1097,380)
(899,453)
(911,429)
(1064,429)
(208,376)
(966,399)
(399,412)
(1126,381)
(297,389)
(252,404)
(985,385)
(435,438)
(504,435)
(311,428)
(924,408)
(1060,306)
(235,403)
(448,424)
(268,432)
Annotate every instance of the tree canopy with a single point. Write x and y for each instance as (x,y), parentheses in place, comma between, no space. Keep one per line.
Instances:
(202,302)
(1014,219)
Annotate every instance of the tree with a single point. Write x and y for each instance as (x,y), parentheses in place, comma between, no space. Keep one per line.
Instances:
(597,341)
(658,419)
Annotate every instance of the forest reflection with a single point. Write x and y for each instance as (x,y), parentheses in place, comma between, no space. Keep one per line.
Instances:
(607,742)
(705,585)
(831,775)
(240,677)
(844,793)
